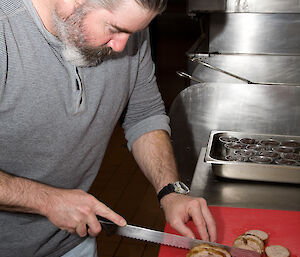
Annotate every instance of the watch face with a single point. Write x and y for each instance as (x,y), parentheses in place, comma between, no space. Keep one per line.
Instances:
(181,188)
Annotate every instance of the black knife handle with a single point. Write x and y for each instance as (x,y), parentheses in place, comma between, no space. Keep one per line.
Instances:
(108,226)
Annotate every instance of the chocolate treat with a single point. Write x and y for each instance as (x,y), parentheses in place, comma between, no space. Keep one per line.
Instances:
(269,143)
(248,141)
(290,143)
(283,149)
(261,159)
(286,162)
(257,148)
(271,154)
(228,139)
(236,158)
(291,156)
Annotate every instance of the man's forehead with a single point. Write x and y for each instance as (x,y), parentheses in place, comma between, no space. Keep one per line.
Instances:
(138,20)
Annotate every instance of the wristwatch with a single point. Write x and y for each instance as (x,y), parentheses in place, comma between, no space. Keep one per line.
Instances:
(176,187)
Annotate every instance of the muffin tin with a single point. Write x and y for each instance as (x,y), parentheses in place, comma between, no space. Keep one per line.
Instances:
(262,157)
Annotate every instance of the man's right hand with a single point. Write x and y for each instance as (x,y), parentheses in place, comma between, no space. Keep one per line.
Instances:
(75,211)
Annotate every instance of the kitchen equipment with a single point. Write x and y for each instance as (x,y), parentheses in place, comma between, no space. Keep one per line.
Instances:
(241,44)
(200,61)
(255,6)
(281,226)
(259,167)
(253,41)
(166,238)
(188,76)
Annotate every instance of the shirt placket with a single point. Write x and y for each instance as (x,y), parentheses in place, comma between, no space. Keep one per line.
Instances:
(78,94)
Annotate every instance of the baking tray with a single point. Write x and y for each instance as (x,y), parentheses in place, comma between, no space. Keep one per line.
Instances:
(274,171)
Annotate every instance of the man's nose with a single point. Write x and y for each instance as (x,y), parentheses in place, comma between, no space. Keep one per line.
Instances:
(118,42)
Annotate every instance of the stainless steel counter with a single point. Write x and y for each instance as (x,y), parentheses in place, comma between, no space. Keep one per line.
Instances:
(201,108)
(237,193)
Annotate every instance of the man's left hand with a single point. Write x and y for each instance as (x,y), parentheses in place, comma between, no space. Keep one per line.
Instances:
(179,209)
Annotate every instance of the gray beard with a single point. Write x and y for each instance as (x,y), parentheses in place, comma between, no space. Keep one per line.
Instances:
(76,49)
(85,57)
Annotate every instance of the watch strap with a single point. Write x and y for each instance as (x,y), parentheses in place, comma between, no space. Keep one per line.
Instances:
(176,187)
(165,191)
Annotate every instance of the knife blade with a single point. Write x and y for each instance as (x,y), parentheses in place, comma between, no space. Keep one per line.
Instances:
(159,237)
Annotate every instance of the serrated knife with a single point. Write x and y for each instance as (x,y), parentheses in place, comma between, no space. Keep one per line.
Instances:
(159,237)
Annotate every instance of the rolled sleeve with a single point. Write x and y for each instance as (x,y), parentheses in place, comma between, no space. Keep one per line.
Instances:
(157,122)
(145,110)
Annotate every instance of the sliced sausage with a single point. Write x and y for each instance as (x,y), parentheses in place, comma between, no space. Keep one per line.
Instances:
(209,250)
(249,242)
(258,233)
(257,240)
(205,252)
(277,251)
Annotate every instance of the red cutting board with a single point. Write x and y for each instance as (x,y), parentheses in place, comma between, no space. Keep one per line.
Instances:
(283,228)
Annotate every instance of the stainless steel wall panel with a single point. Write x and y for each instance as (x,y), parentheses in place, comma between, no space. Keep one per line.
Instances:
(257,68)
(254,33)
(259,6)
(201,108)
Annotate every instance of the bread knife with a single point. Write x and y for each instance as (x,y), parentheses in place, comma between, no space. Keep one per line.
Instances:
(163,238)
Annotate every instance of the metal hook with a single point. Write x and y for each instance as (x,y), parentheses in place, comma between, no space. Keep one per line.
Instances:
(185,75)
(198,60)
(193,59)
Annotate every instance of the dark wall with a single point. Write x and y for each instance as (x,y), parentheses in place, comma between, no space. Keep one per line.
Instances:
(173,33)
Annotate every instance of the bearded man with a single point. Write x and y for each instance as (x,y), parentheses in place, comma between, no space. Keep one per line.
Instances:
(68,70)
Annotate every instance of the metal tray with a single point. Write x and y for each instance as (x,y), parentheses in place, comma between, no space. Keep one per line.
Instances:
(246,169)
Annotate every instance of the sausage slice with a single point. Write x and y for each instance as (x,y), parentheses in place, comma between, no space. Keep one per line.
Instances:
(204,250)
(249,242)
(277,251)
(258,233)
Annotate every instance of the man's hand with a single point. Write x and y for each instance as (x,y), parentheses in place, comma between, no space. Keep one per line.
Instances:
(69,209)
(76,210)
(179,209)
(154,154)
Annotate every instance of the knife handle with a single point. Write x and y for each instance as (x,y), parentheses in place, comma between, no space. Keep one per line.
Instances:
(108,226)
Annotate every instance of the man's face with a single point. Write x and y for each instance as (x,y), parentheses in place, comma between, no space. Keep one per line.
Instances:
(90,34)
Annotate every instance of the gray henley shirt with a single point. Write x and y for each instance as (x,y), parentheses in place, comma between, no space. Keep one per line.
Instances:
(56,119)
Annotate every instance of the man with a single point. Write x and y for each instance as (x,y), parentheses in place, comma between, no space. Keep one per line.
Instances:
(68,70)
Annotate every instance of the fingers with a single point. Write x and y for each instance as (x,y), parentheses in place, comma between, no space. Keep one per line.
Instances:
(183,229)
(198,219)
(93,224)
(94,227)
(106,212)
(76,210)
(210,224)
(203,219)
(81,229)
(179,209)
(196,212)
(91,227)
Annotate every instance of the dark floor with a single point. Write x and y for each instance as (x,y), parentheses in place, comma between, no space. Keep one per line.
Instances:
(120,183)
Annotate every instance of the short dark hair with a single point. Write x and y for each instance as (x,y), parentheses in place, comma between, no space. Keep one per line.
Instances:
(153,5)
